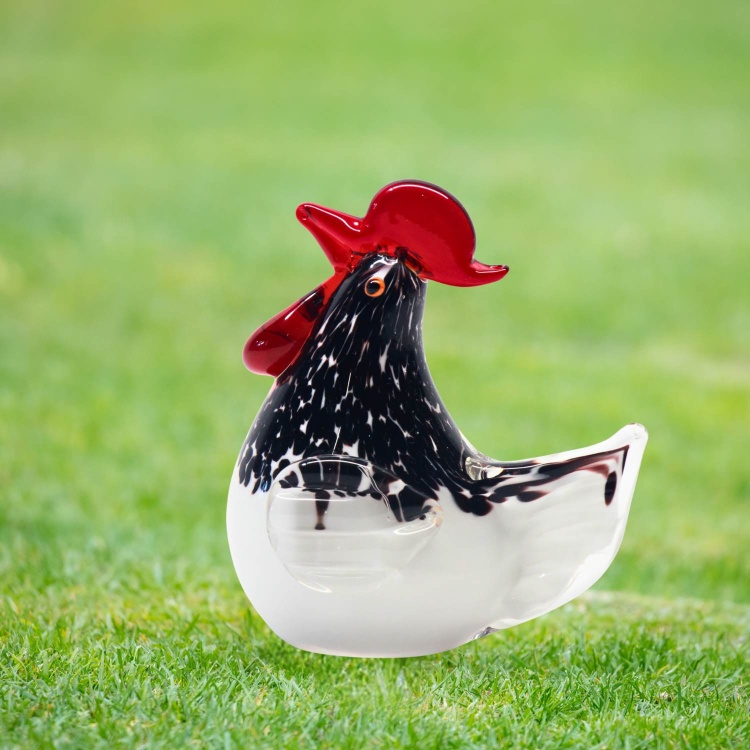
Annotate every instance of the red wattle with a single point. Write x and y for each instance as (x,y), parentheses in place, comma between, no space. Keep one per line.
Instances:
(274,346)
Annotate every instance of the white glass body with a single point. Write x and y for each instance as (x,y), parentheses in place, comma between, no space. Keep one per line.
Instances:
(473,575)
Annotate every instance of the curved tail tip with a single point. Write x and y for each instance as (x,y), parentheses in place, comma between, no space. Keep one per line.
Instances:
(637,431)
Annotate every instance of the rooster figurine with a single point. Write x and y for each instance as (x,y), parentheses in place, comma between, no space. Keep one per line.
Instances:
(361,521)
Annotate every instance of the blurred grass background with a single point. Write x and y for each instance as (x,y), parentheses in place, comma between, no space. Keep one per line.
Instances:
(151,158)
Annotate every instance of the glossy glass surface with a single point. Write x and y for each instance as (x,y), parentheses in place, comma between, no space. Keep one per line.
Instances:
(418,222)
(360,519)
(365,543)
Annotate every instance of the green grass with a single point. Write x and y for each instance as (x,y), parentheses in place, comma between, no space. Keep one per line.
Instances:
(198,667)
(151,157)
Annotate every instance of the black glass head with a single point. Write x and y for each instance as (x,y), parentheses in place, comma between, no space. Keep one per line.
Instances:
(380,302)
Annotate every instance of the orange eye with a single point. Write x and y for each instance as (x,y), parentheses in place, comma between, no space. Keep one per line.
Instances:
(374,286)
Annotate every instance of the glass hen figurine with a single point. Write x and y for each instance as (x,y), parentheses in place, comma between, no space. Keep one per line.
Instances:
(361,521)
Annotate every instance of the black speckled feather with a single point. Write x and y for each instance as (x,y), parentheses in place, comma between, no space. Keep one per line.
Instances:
(361,387)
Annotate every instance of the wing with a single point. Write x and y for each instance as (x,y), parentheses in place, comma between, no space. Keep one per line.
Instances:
(567,514)
(339,523)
